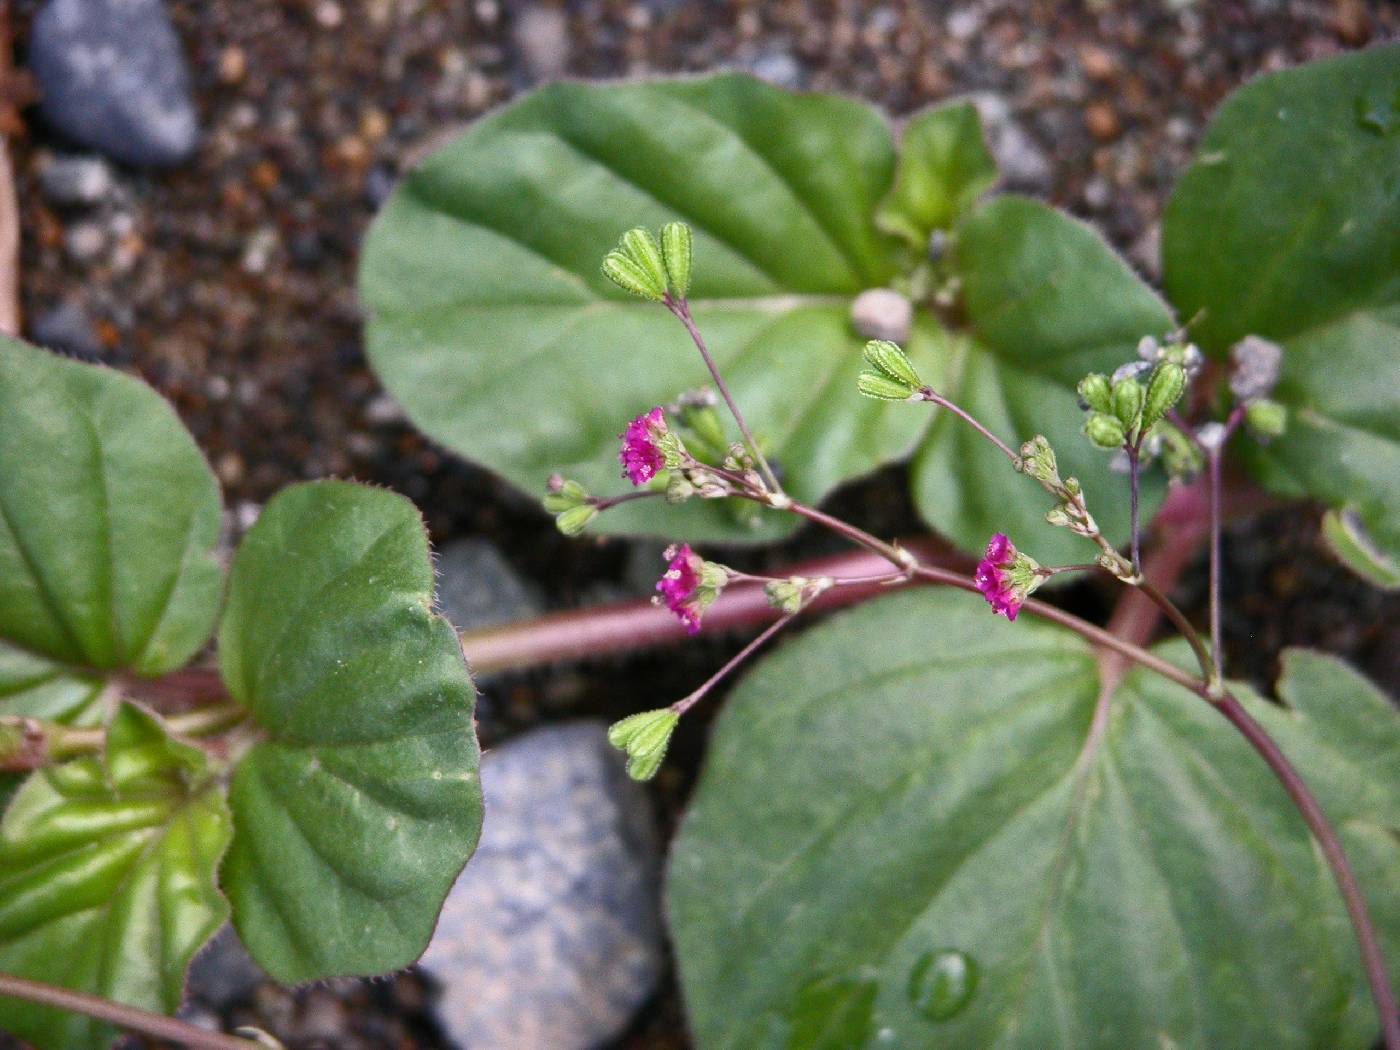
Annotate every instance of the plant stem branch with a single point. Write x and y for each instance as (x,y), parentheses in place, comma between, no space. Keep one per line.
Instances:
(1133,449)
(1215,454)
(931,395)
(686,703)
(602,503)
(1331,846)
(131,1018)
(681,309)
(1178,619)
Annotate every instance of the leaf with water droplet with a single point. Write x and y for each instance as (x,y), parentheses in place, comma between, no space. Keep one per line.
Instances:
(832,1013)
(925,781)
(942,983)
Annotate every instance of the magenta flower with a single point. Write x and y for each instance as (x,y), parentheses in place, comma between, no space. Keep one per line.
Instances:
(1005,576)
(689,585)
(641,454)
(679,583)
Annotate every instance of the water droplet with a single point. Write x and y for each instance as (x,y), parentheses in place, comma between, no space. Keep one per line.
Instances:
(941,984)
(1378,116)
(832,1013)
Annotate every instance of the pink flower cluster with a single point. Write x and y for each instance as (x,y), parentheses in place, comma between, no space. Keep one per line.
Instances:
(993,578)
(678,584)
(641,456)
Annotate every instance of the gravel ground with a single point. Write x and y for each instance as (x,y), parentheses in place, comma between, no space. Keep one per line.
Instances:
(229,282)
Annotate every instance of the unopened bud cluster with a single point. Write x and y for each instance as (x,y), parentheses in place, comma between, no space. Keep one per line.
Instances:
(649,269)
(890,376)
(571,505)
(794,593)
(1124,408)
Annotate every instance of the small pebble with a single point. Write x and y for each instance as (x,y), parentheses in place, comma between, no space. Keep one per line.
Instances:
(112,77)
(71,181)
(85,241)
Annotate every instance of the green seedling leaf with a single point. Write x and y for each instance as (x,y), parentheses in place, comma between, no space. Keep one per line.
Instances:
(918,825)
(357,809)
(108,519)
(107,871)
(944,164)
(1285,227)
(493,324)
(1048,302)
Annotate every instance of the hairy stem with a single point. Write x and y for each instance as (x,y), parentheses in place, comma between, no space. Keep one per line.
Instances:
(1215,454)
(681,309)
(1326,837)
(1133,450)
(686,703)
(131,1018)
(931,395)
(1178,619)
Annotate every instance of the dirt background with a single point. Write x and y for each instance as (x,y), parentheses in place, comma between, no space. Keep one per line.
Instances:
(229,283)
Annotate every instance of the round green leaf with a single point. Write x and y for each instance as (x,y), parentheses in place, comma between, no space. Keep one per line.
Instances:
(918,826)
(108,518)
(1048,301)
(492,323)
(943,165)
(360,804)
(1285,227)
(38,688)
(107,879)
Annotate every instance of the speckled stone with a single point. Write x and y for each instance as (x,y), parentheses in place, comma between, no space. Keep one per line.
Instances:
(112,78)
(552,935)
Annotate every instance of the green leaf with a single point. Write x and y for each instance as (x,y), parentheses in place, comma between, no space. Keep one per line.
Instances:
(492,323)
(39,688)
(1048,302)
(917,826)
(1351,546)
(1284,227)
(108,518)
(359,806)
(107,879)
(944,164)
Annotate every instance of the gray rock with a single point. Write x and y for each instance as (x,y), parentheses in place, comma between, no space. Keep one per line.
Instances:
(882,313)
(778,67)
(68,328)
(542,37)
(552,935)
(85,241)
(478,588)
(1020,159)
(223,974)
(112,77)
(76,181)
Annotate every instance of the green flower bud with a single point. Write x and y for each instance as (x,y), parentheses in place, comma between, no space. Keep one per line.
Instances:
(1038,460)
(704,422)
(1180,455)
(1164,389)
(678,487)
(1059,517)
(644,737)
(1104,430)
(640,246)
(882,387)
(631,277)
(574,520)
(792,595)
(1127,403)
(1268,419)
(1096,393)
(883,356)
(675,252)
(570,494)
